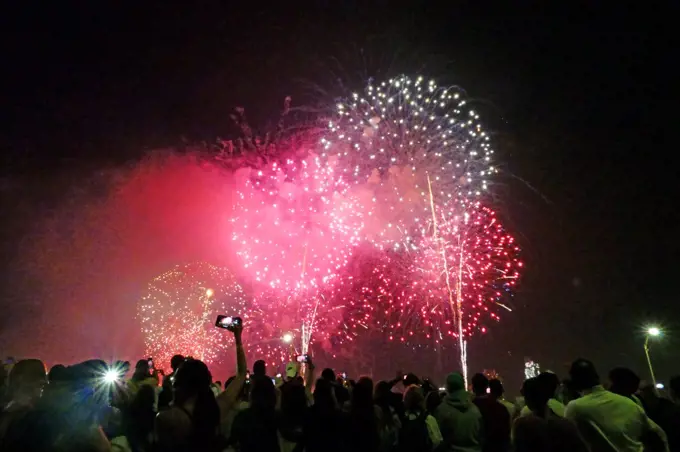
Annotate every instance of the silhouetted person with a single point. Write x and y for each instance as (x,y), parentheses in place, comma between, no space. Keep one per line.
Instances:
(496,418)
(363,431)
(542,430)
(324,429)
(260,368)
(496,392)
(624,382)
(255,428)
(165,397)
(460,421)
(192,422)
(608,421)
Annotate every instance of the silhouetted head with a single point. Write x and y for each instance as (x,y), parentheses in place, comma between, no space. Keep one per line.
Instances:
(192,379)
(328,374)
(293,400)
(583,375)
(142,370)
(175,362)
(57,373)
(455,382)
(623,381)
(537,394)
(263,395)
(410,379)
(496,388)
(382,391)
(27,379)
(414,401)
(260,368)
(324,395)
(479,384)
(362,395)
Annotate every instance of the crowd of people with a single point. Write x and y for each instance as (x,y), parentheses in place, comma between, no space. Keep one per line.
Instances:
(90,407)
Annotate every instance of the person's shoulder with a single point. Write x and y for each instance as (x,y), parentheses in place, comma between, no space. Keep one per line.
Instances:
(172,416)
(624,401)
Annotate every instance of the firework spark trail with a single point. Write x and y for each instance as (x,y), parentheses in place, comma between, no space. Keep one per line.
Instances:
(293,235)
(419,161)
(178,310)
(406,294)
(456,306)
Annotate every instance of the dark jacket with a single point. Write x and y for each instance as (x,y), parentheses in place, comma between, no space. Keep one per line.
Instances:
(496,424)
(460,423)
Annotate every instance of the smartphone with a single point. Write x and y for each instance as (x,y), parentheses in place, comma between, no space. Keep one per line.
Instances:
(150,361)
(344,375)
(228,322)
(303,359)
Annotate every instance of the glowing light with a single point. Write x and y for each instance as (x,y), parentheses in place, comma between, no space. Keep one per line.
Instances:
(177,313)
(653,331)
(287,338)
(531,369)
(112,375)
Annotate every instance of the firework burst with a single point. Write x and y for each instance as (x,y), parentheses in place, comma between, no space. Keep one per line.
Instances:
(391,138)
(290,225)
(443,287)
(294,232)
(470,261)
(179,308)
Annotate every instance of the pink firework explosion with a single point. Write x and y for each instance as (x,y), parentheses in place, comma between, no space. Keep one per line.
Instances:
(280,327)
(291,225)
(294,231)
(469,269)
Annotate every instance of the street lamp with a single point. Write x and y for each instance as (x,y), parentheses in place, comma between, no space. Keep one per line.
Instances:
(651,332)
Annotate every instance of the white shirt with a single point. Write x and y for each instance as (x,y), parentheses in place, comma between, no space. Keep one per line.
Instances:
(610,422)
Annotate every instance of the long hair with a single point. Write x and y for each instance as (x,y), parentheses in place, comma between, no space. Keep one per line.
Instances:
(362,420)
(138,418)
(414,401)
(382,400)
(141,370)
(324,400)
(193,380)
(293,402)
(263,397)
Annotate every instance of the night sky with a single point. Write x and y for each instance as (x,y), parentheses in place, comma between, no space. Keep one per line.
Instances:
(578,99)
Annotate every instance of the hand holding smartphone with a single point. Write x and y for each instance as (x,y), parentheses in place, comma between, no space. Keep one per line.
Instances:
(304,359)
(228,322)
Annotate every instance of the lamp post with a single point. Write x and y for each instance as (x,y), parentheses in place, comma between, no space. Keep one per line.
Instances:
(651,332)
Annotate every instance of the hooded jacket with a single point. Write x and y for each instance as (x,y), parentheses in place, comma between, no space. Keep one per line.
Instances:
(460,423)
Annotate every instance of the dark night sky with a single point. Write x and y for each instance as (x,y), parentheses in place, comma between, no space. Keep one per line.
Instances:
(579,99)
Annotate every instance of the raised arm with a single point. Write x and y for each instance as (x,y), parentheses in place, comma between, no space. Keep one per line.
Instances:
(309,376)
(227,399)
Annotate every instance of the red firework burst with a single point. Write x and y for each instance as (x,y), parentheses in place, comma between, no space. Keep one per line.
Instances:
(469,269)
